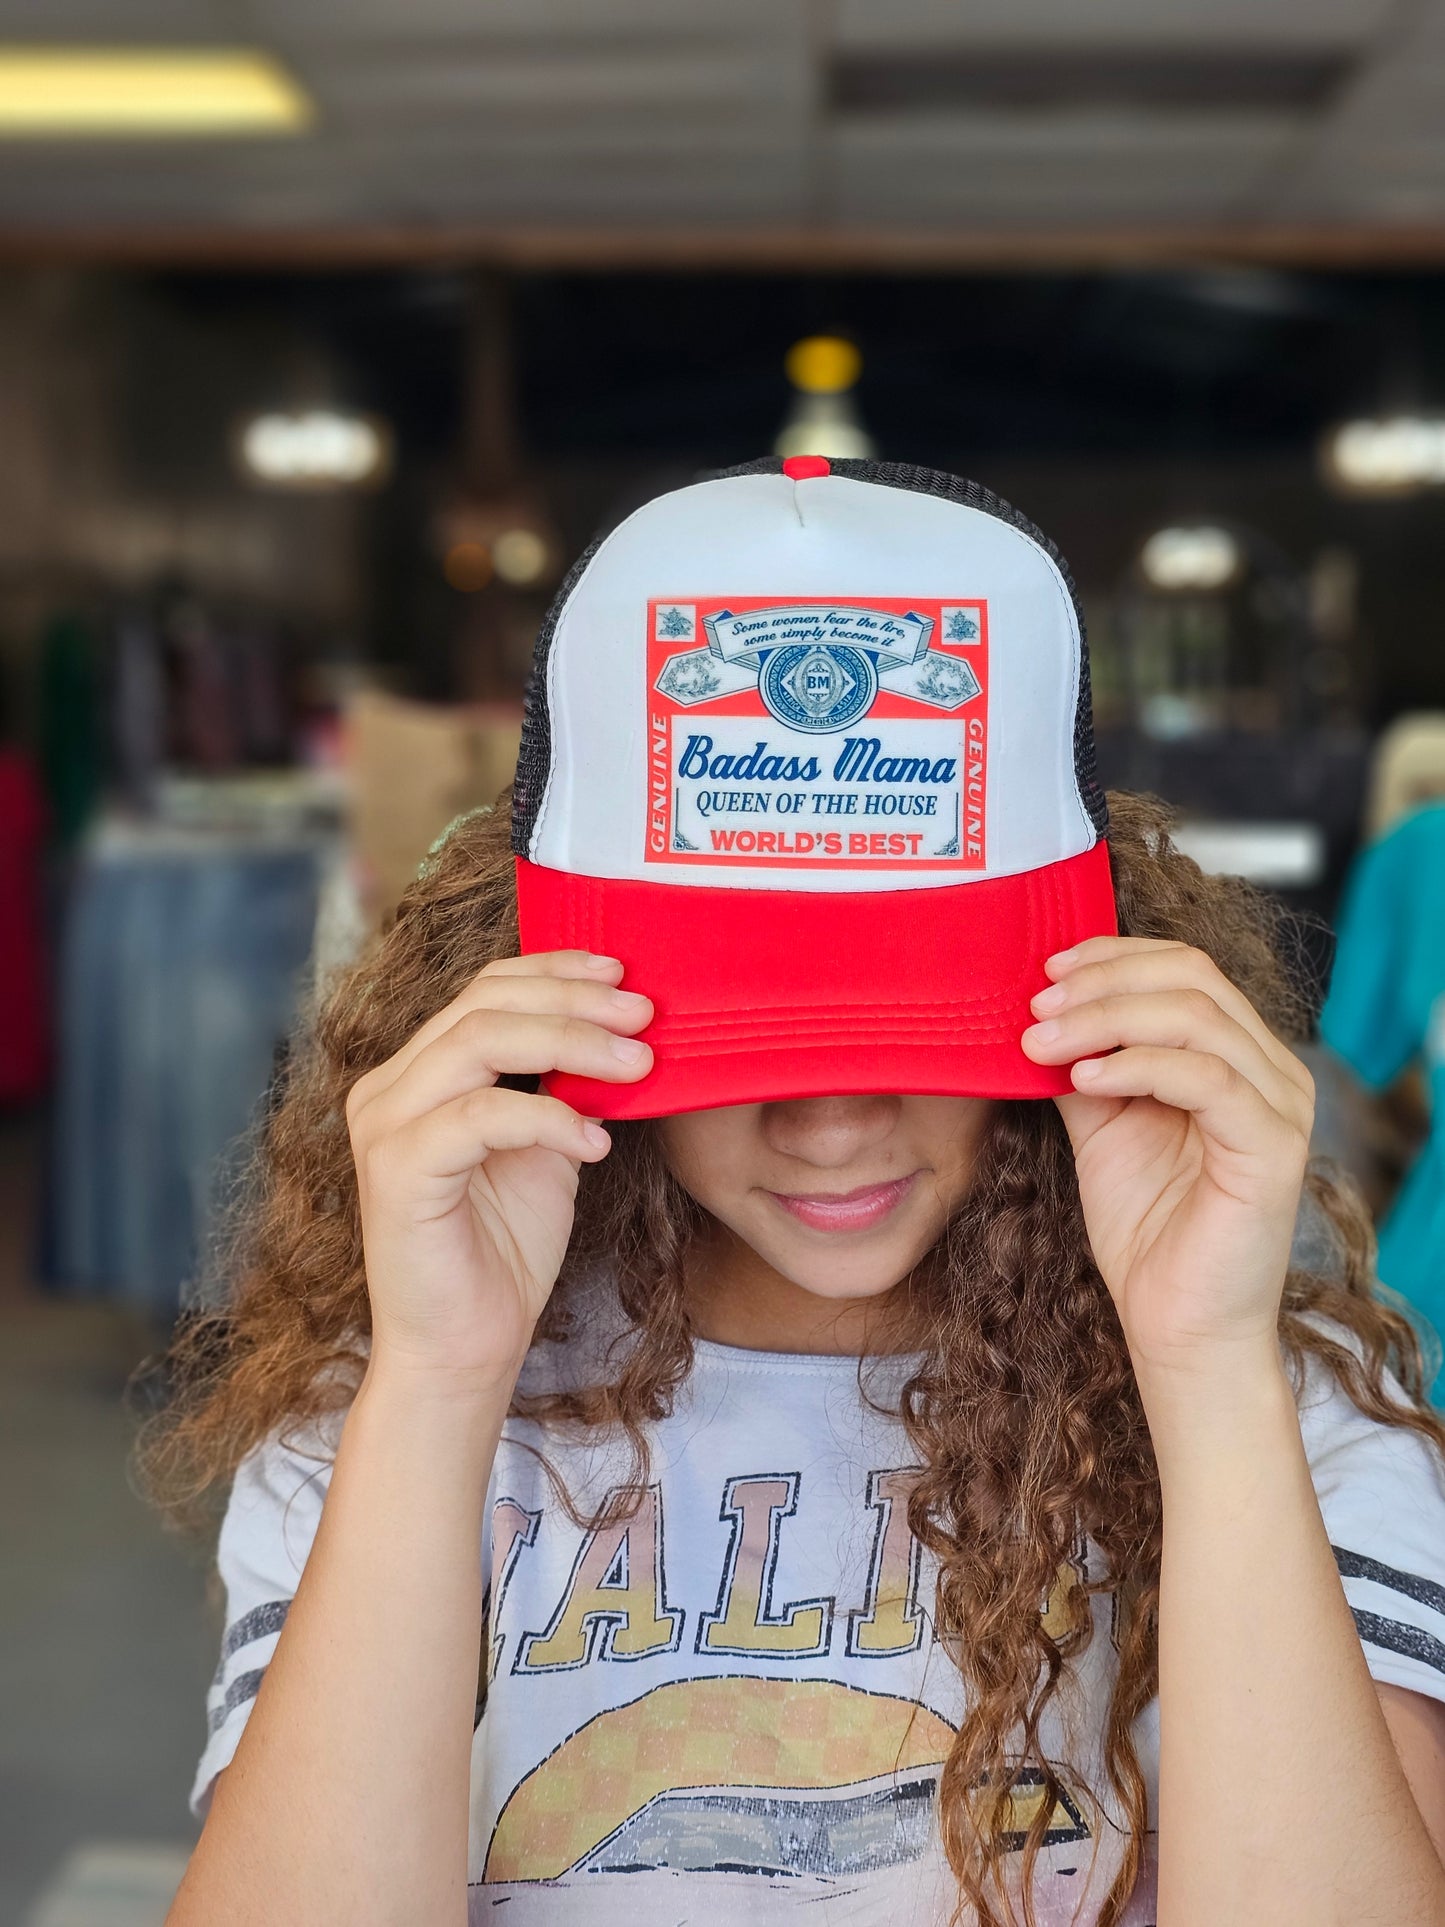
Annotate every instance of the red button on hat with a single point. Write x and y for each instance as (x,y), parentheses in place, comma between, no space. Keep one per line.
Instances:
(802,468)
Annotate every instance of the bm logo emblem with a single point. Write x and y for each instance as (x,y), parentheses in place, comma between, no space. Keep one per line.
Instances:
(818,686)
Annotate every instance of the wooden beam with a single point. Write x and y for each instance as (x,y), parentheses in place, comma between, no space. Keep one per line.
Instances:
(602,249)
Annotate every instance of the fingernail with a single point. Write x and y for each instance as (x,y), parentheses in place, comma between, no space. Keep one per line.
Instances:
(1062,957)
(629,1050)
(628,1000)
(1086,1070)
(595,962)
(1049,999)
(1047,1033)
(596,1136)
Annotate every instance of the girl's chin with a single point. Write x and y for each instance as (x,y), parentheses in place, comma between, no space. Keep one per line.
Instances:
(839,1281)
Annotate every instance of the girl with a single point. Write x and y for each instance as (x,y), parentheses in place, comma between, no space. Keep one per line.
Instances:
(913,1507)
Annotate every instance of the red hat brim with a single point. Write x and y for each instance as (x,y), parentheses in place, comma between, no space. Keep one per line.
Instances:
(765,995)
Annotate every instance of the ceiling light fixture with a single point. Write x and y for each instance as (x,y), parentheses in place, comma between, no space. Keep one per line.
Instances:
(105,92)
(822,419)
(316,450)
(521,556)
(467,566)
(823,364)
(1190,558)
(1393,457)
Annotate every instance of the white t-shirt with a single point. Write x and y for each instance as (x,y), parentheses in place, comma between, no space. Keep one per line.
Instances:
(734,1699)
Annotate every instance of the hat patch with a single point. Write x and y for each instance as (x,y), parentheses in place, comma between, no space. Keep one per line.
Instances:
(849,734)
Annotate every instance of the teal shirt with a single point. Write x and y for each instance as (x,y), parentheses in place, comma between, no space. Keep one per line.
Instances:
(1386,1007)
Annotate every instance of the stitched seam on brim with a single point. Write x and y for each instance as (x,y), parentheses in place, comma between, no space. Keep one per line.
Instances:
(865,1020)
(882,1002)
(736,1046)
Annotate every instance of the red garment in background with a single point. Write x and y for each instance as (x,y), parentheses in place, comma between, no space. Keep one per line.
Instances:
(24,1030)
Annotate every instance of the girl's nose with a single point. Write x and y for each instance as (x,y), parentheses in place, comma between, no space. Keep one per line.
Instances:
(831,1132)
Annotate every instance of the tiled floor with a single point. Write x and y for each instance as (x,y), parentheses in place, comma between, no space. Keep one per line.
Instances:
(106,1641)
(110,1884)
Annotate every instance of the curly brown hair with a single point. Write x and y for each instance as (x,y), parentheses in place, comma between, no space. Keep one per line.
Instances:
(1024,1412)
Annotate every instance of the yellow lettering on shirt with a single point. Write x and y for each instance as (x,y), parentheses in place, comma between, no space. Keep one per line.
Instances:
(746,1619)
(890,1621)
(613,1606)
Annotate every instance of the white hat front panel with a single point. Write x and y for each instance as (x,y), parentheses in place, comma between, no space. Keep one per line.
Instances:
(830,684)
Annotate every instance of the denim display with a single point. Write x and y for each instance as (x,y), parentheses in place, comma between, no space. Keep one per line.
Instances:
(182,961)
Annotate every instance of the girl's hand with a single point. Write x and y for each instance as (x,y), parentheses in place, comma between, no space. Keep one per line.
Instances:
(467,1191)
(1190,1139)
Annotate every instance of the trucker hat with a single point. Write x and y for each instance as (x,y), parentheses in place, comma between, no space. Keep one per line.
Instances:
(808,745)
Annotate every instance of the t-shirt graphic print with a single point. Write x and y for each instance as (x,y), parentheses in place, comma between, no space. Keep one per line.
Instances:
(793,1771)
(732,1695)
(730,1705)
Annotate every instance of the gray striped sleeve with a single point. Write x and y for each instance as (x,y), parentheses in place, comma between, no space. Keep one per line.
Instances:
(1405,1637)
(1354,1565)
(1396,1636)
(241,1691)
(266,1536)
(259,1623)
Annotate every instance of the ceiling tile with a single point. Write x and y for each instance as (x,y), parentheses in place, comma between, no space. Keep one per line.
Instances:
(1407,90)
(121,21)
(1136,23)
(1406,199)
(1050,169)
(1425,25)
(1380,152)
(423,180)
(538,22)
(523,91)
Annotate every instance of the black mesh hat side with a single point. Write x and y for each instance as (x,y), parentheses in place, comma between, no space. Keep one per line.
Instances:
(534,762)
(534,759)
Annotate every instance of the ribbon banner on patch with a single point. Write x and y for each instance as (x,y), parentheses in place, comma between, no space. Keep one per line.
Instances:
(831,653)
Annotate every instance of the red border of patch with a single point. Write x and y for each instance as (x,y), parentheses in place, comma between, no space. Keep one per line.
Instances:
(662,711)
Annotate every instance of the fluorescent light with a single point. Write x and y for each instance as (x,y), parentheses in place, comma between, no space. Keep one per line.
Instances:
(1190,558)
(319,449)
(1388,457)
(49,92)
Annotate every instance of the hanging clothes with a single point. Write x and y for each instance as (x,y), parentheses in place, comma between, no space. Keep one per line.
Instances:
(24,1028)
(70,725)
(1385,1009)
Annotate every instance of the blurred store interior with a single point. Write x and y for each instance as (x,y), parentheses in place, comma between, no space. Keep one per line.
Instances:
(331,332)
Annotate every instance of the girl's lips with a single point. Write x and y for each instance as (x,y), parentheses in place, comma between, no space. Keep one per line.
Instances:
(848,1210)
